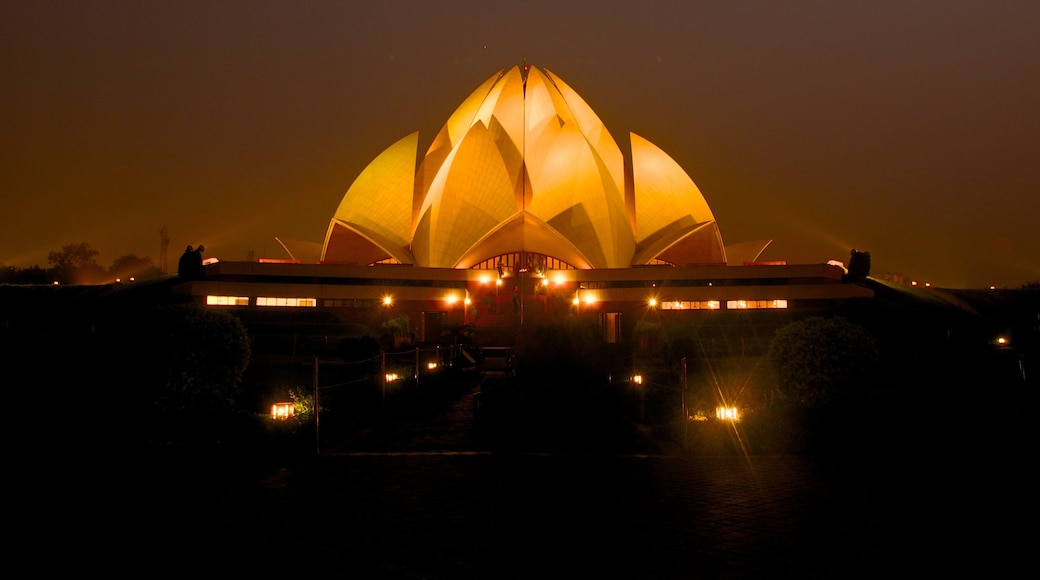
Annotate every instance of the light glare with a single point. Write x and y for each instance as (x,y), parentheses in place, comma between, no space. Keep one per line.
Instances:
(727,414)
(282,410)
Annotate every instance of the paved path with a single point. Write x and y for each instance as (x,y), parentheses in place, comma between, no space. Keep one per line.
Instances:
(440,509)
(459,515)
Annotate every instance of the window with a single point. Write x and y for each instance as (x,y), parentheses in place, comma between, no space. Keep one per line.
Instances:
(277,301)
(227,300)
(750,304)
(691,305)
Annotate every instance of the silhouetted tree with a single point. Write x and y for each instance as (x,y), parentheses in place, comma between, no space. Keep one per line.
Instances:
(649,334)
(819,362)
(397,328)
(31,275)
(76,264)
(184,363)
(561,356)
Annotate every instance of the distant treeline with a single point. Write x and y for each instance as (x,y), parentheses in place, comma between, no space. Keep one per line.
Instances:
(77,264)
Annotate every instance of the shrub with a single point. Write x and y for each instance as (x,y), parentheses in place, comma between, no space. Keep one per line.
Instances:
(820,362)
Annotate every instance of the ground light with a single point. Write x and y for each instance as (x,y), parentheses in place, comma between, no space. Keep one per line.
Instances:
(282,410)
(727,414)
(637,380)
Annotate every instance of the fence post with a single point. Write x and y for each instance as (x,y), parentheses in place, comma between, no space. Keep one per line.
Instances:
(317,406)
(685,411)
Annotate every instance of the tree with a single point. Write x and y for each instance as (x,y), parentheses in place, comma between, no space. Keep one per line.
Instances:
(32,275)
(185,364)
(208,353)
(396,328)
(14,275)
(76,264)
(649,334)
(561,355)
(820,362)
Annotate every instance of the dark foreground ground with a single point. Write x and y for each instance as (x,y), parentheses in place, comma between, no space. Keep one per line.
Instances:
(426,501)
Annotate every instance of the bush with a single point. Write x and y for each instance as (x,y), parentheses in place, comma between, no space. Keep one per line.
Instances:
(820,362)
(179,368)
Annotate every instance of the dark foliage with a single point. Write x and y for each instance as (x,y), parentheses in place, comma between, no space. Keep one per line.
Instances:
(823,362)
(356,348)
(561,355)
(123,362)
(31,275)
(77,264)
(175,370)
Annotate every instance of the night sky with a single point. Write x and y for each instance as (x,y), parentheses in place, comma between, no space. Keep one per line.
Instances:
(908,129)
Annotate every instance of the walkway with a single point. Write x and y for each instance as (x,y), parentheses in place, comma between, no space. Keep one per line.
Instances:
(436,508)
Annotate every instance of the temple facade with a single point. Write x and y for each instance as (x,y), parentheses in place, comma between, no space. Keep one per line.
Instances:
(523,210)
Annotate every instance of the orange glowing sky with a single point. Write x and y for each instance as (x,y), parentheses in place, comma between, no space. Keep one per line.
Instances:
(909,129)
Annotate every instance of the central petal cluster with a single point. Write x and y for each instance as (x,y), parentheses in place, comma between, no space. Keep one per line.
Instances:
(523,165)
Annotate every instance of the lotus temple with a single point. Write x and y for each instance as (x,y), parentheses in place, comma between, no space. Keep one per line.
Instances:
(523,210)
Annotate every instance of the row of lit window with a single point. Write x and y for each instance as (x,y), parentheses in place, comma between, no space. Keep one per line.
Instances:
(715,304)
(278,301)
(749,304)
(261,301)
(690,305)
(671,305)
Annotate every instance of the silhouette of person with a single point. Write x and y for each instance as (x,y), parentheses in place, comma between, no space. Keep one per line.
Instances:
(184,265)
(859,266)
(189,266)
(196,262)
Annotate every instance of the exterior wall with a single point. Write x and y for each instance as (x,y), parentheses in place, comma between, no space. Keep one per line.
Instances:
(498,311)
